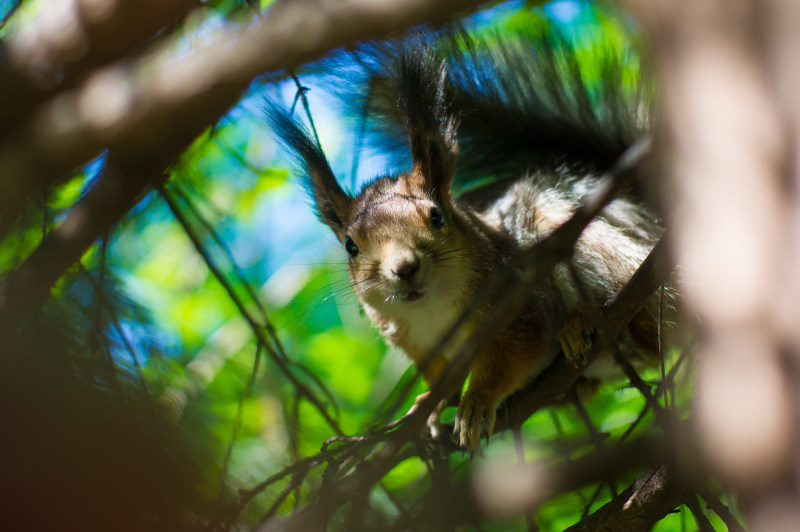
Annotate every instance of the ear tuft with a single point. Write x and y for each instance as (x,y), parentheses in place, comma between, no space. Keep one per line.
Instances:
(431,129)
(333,205)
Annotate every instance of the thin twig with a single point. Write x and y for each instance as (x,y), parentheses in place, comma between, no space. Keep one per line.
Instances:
(519,445)
(720,509)
(661,347)
(103,303)
(301,95)
(295,483)
(254,326)
(247,495)
(595,438)
(703,524)
(237,270)
(660,386)
(544,388)
(599,324)
(237,420)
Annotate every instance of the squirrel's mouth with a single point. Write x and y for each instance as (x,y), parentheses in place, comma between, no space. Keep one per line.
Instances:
(412,295)
(406,296)
(405,292)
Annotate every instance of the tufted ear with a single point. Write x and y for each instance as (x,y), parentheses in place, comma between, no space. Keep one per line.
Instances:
(333,205)
(431,130)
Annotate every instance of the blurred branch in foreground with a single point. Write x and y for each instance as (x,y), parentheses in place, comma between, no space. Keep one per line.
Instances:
(128,108)
(730,79)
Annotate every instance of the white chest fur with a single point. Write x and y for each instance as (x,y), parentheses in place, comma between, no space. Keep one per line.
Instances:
(418,327)
(428,325)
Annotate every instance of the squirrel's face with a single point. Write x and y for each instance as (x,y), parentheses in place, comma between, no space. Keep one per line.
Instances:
(405,249)
(401,233)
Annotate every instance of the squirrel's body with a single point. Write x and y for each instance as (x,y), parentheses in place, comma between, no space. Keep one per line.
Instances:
(414,279)
(419,256)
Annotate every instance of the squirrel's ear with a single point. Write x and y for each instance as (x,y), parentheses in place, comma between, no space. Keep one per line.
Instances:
(431,130)
(332,203)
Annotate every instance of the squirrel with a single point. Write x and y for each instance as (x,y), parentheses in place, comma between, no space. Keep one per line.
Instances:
(418,253)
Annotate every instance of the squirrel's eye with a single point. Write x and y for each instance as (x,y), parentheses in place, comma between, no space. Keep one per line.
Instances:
(350,246)
(436,218)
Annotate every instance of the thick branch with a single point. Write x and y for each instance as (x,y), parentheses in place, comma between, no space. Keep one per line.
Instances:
(503,491)
(124,179)
(639,507)
(42,59)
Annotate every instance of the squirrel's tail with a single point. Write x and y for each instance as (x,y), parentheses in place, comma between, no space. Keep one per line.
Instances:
(526,97)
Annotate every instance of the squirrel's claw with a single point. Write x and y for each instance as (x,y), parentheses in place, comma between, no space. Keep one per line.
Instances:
(575,337)
(475,418)
(433,425)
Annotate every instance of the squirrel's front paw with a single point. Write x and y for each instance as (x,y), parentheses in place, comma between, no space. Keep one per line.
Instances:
(575,337)
(475,418)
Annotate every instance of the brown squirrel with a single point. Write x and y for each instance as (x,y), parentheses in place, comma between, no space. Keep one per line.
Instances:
(418,255)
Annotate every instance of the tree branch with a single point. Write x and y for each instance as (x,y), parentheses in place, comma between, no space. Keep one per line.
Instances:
(124,179)
(127,109)
(645,502)
(505,490)
(270,342)
(42,59)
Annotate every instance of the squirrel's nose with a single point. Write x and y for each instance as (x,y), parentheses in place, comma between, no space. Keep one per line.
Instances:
(406,268)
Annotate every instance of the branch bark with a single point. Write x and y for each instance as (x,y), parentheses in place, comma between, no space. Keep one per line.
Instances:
(639,507)
(124,179)
(495,491)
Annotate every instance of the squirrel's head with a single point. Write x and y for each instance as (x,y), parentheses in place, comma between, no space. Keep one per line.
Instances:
(402,234)
(406,245)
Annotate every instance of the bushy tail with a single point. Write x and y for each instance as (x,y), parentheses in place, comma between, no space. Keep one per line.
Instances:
(526,97)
